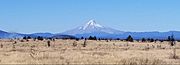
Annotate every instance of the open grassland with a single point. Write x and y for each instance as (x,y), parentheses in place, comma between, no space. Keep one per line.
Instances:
(95,52)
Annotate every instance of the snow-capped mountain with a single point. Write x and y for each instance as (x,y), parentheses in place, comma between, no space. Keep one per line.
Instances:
(91,28)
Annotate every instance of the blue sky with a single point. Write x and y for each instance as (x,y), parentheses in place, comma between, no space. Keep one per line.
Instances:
(29,16)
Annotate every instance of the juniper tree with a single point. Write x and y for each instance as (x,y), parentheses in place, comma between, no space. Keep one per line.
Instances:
(171,40)
(118,39)
(90,38)
(130,39)
(24,37)
(148,39)
(94,38)
(77,39)
(28,37)
(143,40)
(99,39)
(152,40)
(82,37)
(40,38)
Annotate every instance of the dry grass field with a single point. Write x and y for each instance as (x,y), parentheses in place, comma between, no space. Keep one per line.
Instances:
(95,52)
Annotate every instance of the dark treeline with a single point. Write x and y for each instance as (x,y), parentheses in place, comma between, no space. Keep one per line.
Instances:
(37,38)
(129,39)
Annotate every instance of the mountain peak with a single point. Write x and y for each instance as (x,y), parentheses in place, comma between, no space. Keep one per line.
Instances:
(92,28)
(91,24)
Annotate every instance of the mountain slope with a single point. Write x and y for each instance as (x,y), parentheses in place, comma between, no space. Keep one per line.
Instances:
(42,34)
(92,28)
(7,35)
(4,34)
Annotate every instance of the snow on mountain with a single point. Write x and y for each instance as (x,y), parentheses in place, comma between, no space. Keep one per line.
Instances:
(92,28)
(91,25)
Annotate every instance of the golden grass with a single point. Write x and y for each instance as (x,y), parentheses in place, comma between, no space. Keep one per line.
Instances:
(96,52)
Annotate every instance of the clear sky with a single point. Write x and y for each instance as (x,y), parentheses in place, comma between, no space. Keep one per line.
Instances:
(55,16)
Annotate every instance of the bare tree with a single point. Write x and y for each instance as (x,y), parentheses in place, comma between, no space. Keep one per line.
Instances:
(49,43)
(85,41)
(13,47)
(173,44)
(1,45)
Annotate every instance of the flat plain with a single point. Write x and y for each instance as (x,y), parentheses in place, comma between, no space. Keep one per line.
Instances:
(95,52)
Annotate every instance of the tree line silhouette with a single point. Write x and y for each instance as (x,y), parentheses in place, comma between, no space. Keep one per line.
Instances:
(128,39)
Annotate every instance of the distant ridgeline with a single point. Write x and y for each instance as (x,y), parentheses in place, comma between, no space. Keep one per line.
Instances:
(91,28)
(124,35)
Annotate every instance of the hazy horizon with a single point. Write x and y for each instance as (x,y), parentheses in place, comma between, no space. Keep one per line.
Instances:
(56,16)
